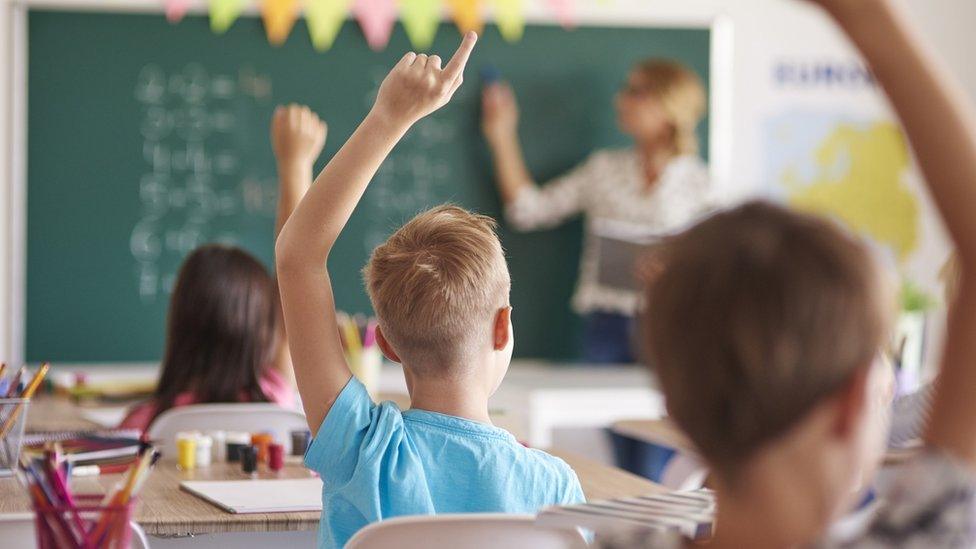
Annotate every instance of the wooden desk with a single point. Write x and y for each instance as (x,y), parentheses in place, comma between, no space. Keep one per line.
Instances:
(166,510)
(601,481)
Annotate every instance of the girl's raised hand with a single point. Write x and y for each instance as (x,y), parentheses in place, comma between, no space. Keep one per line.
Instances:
(297,135)
(418,86)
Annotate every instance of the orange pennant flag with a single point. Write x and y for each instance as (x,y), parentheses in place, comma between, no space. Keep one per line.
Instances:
(279,17)
(467,15)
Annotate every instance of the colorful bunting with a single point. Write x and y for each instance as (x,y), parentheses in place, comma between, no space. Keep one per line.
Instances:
(223,13)
(175,10)
(564,12)
(279,17)
(510,19)
(420,19)
(467,15)
(325,19)
(376,17)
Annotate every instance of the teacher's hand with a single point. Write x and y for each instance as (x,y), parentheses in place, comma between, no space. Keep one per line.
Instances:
(499,113)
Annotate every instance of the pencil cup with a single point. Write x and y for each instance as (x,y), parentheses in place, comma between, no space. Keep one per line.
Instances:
(13,415)
(86,525)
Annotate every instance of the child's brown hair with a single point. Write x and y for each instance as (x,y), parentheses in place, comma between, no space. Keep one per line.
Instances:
(757,315)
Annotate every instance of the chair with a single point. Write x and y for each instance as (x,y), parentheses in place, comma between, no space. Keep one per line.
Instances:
(684,472)
(17,530)
(658,450)
(468,531)
(249,417)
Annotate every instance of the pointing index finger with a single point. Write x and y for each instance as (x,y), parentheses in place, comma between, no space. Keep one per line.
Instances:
(456,65)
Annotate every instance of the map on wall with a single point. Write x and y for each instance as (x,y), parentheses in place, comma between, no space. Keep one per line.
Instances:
(856,171)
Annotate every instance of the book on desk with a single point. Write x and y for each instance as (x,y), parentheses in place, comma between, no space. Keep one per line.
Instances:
(691,513)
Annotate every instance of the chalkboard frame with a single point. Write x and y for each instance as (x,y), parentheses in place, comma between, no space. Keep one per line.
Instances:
(13,143)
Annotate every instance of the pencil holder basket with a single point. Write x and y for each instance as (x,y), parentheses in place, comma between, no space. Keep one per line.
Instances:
(13,417)
(86,525)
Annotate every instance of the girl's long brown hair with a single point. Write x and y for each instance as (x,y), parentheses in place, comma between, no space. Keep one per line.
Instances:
(221,329)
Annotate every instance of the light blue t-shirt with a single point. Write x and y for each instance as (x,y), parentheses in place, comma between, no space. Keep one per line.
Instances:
(378,462)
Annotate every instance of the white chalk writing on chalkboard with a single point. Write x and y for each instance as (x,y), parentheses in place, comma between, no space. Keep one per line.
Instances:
(193,179)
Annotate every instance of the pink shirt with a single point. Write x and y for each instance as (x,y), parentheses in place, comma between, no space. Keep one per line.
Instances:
(272,383)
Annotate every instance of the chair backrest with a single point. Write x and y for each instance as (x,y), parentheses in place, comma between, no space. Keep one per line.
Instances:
(17,530)
(469,531)
(684,472)
(249,417)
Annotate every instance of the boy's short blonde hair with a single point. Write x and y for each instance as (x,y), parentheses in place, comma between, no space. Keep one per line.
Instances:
(758,314)
(436,285)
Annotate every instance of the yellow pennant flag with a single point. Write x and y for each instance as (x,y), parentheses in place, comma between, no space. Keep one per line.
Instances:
(420,19)
(223,13)
(279,17)
(510,19)
(325,19)
(467,15)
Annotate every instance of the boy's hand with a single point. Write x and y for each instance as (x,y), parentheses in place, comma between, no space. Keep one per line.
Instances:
(417,86)
(499,112)
(297,135)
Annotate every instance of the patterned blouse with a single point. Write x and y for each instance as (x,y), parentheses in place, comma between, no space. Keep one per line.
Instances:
(931,505)
(609,188)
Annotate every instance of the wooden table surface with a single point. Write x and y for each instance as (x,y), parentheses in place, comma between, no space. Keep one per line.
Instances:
(165,510)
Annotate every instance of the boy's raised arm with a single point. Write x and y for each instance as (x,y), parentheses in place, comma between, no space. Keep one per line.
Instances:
(941,126)
(416,87)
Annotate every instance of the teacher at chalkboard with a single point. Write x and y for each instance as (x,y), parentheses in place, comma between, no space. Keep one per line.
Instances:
(627,196)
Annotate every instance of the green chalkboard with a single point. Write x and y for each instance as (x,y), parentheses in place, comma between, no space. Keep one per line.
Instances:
(146,139)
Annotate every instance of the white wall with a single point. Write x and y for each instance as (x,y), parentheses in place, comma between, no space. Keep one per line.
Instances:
(762,28)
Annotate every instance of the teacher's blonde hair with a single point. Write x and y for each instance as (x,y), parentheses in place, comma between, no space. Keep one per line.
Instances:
(681,94)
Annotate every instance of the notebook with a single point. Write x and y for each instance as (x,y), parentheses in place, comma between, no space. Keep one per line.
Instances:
(690,513)
(259,495)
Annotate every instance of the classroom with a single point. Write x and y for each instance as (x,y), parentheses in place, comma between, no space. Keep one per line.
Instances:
(468,274)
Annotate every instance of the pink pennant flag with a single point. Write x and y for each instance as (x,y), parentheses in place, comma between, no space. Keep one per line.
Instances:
(175,10)
(376,18)
(564,11)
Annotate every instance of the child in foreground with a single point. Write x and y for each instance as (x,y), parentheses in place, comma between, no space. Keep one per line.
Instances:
(765,327)
(224,336)
(440,289)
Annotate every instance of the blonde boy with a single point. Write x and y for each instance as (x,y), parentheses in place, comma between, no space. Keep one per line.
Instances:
(440,289)
(766,325)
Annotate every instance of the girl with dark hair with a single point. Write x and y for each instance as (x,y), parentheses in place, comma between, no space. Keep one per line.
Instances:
(225,341)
